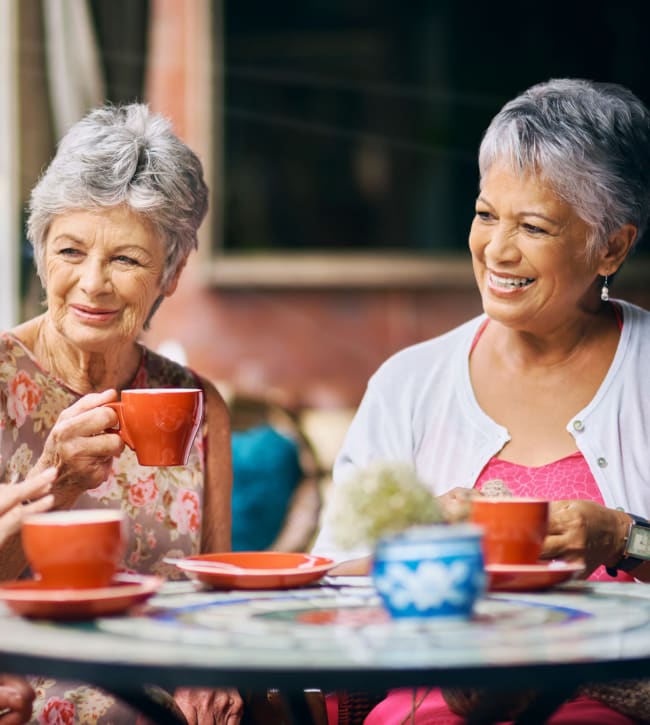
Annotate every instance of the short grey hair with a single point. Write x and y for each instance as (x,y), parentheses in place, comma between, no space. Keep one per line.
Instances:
(590,141)
(124,156)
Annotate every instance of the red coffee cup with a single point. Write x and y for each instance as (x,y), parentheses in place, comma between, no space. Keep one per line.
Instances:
(514,528)
(159,424)
(74,549)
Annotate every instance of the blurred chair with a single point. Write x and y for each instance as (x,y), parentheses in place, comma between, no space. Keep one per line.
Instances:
(276,498)
(326,429)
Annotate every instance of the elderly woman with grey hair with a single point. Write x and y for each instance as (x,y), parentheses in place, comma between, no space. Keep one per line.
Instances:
(113,220)
(547,390)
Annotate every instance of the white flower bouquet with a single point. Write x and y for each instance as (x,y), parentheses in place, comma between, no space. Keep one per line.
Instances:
(377,501)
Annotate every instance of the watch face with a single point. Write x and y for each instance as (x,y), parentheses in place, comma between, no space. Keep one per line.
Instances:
(639,543)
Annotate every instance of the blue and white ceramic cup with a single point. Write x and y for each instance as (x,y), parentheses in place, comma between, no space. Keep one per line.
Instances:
(430,571)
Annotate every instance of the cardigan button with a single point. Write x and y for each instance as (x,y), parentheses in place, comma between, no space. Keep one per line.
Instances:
(602,462)
(578,425)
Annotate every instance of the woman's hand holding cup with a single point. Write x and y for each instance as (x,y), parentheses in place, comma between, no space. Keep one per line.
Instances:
(585,532)
(81,447)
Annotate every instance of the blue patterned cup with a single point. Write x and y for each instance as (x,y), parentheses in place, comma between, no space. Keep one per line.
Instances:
(430,571)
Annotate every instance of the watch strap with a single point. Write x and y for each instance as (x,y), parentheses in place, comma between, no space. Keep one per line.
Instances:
(626,562)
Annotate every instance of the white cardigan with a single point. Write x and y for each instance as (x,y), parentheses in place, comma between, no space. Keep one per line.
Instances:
(420,408)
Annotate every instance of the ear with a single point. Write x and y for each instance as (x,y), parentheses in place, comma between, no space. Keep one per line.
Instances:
(173,282)
(618,246)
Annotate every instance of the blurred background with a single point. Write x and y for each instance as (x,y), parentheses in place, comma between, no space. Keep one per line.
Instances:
(339,138)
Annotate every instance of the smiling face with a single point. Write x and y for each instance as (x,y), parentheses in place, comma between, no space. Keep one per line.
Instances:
(529,252)
(103,271)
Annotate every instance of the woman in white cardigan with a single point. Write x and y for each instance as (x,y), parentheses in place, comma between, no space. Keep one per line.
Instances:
(548,390)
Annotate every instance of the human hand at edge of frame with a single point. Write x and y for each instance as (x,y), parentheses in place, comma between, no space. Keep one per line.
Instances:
(456,503)
(16,699)
(18,500)
(352,567)
(201,706)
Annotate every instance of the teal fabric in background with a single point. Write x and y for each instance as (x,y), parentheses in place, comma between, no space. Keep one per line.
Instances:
(266,470)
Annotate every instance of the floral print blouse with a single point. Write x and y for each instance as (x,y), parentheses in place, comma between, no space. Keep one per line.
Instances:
(163,505)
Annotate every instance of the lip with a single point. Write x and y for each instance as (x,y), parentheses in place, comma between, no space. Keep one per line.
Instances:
(93,314)
(506,291)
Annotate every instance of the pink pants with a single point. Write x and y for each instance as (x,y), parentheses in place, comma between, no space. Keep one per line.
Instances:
(395,709)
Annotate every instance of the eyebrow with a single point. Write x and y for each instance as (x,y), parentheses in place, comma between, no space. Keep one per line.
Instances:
(80,240)
(537,214)
(540,216)
(67,235)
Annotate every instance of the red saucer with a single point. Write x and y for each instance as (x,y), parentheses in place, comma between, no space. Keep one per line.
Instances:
(30,598)
(255,569)
(530,577)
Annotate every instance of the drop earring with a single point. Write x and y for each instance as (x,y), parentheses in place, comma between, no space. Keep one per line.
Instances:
(604,290)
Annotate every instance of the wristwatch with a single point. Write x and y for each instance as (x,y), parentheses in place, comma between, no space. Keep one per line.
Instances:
(637,546)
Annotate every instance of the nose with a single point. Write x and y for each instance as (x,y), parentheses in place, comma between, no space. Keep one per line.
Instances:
(502,244)
(95,276)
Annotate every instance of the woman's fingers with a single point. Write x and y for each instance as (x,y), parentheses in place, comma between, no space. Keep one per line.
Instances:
(16,503)
(352,567)
(89,402)
(456,503)
(78,426)
(221,706)
(233,708)
(36,507)
(31,488)
(584,532)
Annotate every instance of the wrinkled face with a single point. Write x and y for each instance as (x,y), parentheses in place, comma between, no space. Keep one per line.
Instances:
(102,274)
(529,252)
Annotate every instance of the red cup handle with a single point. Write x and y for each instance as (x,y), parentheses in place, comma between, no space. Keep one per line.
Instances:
(122,430)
